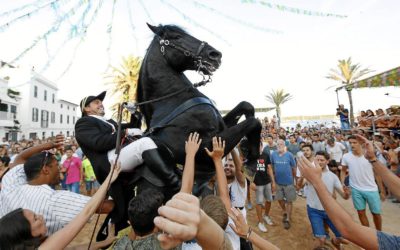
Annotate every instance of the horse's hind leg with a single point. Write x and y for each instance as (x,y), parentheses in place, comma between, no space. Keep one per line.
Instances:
(251,128)
(243,108)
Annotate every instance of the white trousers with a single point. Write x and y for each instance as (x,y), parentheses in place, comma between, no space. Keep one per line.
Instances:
(131,155)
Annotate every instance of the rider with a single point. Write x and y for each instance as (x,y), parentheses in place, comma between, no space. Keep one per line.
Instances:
(97,137)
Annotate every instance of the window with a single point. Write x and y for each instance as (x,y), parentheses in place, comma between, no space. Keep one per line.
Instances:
(35,114)
(52,134)
(53,117)
(68,107)
(73,120)
(61,106)
(73,108)
(3,107)
(61,119)
(45,95)
(43,135)
(67,119)
(32,135)
(13,110)
(53,98)
(67,133)
(35,90)
(45,119)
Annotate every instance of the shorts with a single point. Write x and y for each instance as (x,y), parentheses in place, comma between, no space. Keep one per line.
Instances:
(263,193)
(89,185)
(285,191)
(317,219)
(360,198)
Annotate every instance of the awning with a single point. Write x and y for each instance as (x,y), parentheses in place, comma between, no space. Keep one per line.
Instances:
(390,78)
(4,98)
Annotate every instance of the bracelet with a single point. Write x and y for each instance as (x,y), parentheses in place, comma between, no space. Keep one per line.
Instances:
(249,233)
(373,161)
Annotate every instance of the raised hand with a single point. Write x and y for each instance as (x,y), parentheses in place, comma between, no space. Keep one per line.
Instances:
(308,170)
(192,144)
(218,148)
(59,141)
(368,146)
(179,220)
(114,172)
(240,228)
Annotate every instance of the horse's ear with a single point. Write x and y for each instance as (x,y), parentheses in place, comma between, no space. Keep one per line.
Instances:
(156,29)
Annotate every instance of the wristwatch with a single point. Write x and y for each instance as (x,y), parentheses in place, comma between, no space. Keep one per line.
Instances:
(373,161)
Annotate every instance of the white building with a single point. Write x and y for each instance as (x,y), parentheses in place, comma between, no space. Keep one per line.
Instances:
(9,125)
(40,113)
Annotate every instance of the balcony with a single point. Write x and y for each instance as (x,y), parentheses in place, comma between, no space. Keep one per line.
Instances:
(7,119)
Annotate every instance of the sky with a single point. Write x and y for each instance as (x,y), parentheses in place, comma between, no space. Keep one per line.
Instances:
(263,48)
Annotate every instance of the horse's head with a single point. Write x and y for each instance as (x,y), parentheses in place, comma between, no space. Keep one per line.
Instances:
(185,52)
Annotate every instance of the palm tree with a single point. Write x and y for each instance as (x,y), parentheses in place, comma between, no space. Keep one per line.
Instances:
(278,98)
(124,80)
(348,73)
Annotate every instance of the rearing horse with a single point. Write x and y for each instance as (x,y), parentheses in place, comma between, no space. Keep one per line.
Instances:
(174,107)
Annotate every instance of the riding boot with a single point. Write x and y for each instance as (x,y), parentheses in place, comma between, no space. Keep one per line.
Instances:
(156,164)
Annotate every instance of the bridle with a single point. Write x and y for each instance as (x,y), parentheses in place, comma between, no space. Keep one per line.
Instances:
(199,63)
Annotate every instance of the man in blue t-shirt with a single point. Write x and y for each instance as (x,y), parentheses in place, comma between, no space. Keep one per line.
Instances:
(285,169)
(344,117)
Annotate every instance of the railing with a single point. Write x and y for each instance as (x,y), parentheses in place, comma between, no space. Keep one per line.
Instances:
(6,115)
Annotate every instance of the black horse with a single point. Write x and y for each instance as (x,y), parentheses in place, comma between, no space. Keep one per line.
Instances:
(173,107)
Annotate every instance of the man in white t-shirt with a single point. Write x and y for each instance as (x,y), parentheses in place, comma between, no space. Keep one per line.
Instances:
(335,150)
(315,210)
(237,188)
(362,182)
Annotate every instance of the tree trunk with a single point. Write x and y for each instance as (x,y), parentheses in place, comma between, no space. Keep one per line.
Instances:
(278,115)
(351,108)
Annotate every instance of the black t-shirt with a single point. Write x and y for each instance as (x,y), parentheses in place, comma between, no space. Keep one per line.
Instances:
(262,177)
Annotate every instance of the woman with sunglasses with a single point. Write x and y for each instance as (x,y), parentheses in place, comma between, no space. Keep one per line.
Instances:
(23,229)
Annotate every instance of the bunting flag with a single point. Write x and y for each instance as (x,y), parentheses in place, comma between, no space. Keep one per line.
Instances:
(293,10)
(84,30)
(6,25)
(147,12)
(26,6)
(54,28)
(190,20)
(236,20)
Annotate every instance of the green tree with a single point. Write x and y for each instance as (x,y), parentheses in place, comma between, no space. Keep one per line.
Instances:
(124,83)
(277,98)
(348,73)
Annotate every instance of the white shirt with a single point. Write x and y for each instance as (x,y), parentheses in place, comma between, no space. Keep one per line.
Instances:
(237,193)
(57,207)
(360,172)
(232,236)
(331,182)
(336,152)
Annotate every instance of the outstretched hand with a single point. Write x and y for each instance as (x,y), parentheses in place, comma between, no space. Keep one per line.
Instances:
(179,220)
(309,170)
(241,227)
(59,141)
(192,144)
(218,148)
(368,146)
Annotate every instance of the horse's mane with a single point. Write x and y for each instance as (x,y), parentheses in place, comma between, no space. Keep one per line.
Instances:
(170,27)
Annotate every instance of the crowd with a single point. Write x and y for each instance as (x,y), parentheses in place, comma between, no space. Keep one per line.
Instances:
(41,205)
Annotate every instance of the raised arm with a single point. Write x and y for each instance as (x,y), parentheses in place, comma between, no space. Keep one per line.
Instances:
(364,237)
(238,168)
(63,237)
(216,155)
(242,229)
(191,148)
(24,155)
(391,181)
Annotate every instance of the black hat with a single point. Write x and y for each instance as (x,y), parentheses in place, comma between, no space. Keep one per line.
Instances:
(87,100)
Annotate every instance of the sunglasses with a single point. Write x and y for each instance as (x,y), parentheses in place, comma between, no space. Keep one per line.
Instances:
(47,156)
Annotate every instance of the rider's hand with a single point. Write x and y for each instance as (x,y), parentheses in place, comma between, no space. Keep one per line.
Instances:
(218,149)
(58,141)
(192,144)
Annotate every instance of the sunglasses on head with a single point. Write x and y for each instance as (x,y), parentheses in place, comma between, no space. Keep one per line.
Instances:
(48,155)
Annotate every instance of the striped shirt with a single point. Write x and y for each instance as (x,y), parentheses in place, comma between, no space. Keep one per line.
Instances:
(58,207)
